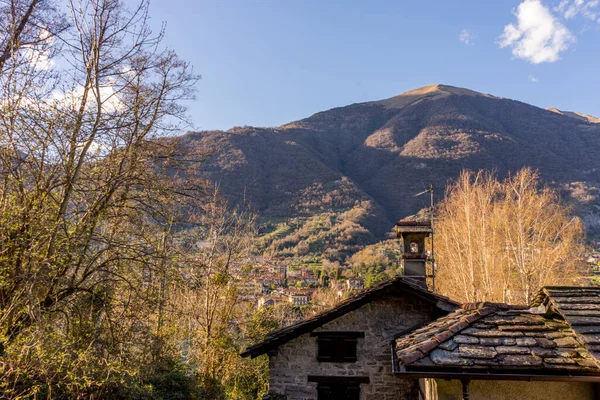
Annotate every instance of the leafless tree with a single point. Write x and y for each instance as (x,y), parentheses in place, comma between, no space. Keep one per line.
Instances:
(504,240)
(29,25)
(87,186)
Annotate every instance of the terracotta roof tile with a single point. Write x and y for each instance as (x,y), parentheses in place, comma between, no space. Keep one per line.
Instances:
(497,338)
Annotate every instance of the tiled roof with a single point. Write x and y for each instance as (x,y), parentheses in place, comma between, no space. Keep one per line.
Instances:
(495,338)
(580,307)
(393,286)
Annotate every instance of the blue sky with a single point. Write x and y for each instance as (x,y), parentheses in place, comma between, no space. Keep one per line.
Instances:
(265,63)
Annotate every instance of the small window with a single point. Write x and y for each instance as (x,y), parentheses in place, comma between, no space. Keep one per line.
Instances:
(337,346)
(338,391)
(338,387)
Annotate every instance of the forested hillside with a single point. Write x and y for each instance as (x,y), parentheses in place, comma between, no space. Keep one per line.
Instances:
(373,157)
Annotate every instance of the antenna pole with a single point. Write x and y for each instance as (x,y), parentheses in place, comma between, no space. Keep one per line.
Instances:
(430,191)
(432,252)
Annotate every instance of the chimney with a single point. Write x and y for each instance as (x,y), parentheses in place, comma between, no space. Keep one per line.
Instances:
(412,235)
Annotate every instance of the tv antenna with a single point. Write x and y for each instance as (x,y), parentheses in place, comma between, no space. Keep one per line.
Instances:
(430,191)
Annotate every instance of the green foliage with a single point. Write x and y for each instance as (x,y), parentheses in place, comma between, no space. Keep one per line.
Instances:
(374,276)
(171,381)
(168,380)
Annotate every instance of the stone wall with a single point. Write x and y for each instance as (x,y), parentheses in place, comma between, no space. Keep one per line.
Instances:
(380,321)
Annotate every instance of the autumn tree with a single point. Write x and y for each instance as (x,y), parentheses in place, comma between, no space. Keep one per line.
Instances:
(204,308)
(503,240)
(88,191)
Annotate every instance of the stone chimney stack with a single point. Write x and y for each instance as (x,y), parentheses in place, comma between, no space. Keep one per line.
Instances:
(412,235)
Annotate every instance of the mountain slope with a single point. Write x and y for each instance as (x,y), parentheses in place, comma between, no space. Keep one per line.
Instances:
(577,115)
(377,155)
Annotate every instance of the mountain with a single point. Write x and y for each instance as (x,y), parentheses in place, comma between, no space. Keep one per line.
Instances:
(369,159)
(576,115)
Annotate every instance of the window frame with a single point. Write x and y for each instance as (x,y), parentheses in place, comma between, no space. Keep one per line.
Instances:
(344,386)
(337,347)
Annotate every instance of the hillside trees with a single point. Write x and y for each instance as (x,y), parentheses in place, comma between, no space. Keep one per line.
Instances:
(503,240)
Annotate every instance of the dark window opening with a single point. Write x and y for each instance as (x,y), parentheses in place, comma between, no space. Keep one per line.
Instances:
(338,387)
(337,346)
(338,391)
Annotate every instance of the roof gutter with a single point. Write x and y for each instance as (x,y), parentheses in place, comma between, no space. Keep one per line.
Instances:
(497,377)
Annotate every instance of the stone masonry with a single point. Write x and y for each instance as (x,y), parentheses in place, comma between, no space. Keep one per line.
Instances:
(380,320)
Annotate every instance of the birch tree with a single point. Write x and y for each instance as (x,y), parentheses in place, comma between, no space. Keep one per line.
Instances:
(504,240)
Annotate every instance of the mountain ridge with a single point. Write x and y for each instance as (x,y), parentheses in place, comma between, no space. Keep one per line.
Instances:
(377,154)
(576,115)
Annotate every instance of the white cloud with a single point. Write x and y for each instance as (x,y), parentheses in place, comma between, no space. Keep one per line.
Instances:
(571,8)
(538,37)
(108,96)
(467,37)
(533,79)
(39,59)
(37,55)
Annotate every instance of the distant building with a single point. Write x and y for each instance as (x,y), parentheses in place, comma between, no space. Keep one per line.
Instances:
(271,280)
(308,277)
(299,299)
(266,302)
(271,301)
(294,273)
(306,273)
(355,284)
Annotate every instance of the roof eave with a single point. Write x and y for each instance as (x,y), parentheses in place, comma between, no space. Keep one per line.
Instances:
(510,376)
(440,302)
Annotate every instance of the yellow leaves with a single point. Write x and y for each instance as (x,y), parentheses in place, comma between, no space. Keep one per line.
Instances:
(503,240)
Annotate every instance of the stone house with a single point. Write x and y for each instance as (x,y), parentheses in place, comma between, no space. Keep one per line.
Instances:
(397,340)
(348,348)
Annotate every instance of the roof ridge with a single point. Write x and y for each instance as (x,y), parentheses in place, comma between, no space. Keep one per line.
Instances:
(486,304)
(282,335)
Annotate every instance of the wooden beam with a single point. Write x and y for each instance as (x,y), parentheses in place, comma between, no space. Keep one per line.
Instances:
(338,379)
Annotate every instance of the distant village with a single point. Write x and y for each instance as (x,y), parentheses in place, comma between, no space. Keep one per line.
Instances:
(273,282)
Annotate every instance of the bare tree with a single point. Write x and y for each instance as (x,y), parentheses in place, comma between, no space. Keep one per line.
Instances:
(503,241)
(29,25)
(87,191)
(204,308)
